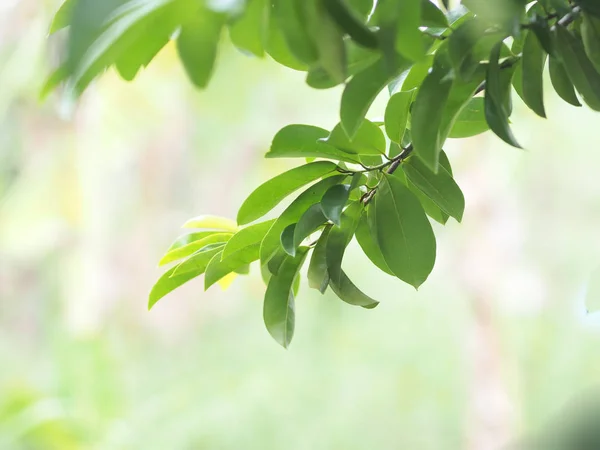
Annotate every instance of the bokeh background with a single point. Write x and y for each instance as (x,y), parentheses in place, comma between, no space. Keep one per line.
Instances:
(91,194)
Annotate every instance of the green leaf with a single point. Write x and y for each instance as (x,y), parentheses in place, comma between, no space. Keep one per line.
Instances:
(208,241)
(306,141)
(279,50)
(368,140)
(461,47)
(432,16)
(333,202)
(439,187)
(292,214)
(409,39)
(590,33)
(417,73)
(561,82)
(189,238)
(361,7)
(471,120)
(329,39)
(60,75)
(310,222)
(291,20)
(287,240)
(246,237)
(361,91)
(339,238)
(279,308)
(497,90)
(341,14)
(534,60)
(349,293)
(249,31)
(429,206)
(428,113)
(219,266)
(271,193)
(209,222)
(318,275)
(168,282)
(590,6)
(198,260)
(403,232)
(197,44)
(580,69)
(397,113)
(62,18)
(368,242)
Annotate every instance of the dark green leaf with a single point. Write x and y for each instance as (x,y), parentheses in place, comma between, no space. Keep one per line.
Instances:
(497,90)
(534,60)
(318,275)
(403,232)
(249,31)
(271,193)
(591,6)
(310,222)
(333,202)
(368,140)
(220,266)
(368,242)
(471,120)
(590,33)
(246,237)
(279,308)
(339,238)
(439,187)
(397,113)
(432,16)
(349,293)
(197,44)
(305,141)
(561,82)
(287,240)
(461,47)
(347,21)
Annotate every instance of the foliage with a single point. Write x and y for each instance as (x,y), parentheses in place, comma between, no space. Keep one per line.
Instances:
(449,72)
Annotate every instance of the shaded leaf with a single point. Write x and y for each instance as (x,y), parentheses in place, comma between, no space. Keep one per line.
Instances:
(561,82)
(333,202)
(534,61)
(318,275)
(339,238)
(367,241)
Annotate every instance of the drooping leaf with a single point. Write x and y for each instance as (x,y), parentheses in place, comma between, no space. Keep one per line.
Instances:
(368,242)
(279,50)
(409,39)
(497,90)
(561,82)
(461,47)
(210,241)
(368,140)
(279,308)
(318,275)
(249,32)
(333,202)
(534,61)
(397,113)
(439,187)
(580,69)
(471,121)
(219,267)
(271,193)
(197,44)
(246,237)
(339,238)
(347,291)
(403,232)
(292,214)
(306,141)
(60,75)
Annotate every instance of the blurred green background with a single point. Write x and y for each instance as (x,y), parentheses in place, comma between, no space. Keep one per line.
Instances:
(490,349)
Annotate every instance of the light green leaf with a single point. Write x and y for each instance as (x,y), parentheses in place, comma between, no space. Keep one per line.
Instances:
(210,222)
(534,61)
(409,39)
(403,232)
(333,202)
(249,32)
(368,140)
(561,82)
(168,282)
(246,237)
(306,141)
(279,308)
(292,214)
(62,18)
(271,193)
(197,44)
(291,20)
(207,242)
(219,266)
(439,187)
(329,39)
(471,120)
(279,50)
(198,260)
(397,113)
(339,238)
(318,275)
(189,238)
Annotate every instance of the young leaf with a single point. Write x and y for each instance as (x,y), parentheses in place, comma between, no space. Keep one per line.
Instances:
(189,238)
(428,113)
(279,308)
(497,91)
(339,238)
(219,267)
(534,60)
(333,202)
(349,293)
(403,232)
(581,71)
(306,141)
(471,120)
(247,236)
(198,260)
(368,242)
(439,187)
(368,140)
(318,275)
(197,44)
(271,193)
(561,82)
(249,31)
(396,114)
(292,214)
(208,242)
(361,91)
(211,223)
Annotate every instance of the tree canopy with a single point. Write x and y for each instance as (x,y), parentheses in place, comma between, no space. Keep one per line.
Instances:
(450,72)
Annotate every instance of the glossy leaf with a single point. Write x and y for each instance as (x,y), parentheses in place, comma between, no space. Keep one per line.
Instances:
(318,275)
(471,120)
(333,202)
(397,113)
(403,232)
(368,140)
(561,82)
(271,193)
(247,236)
(287,240)
(279,308)
(534,61)
(347,291)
